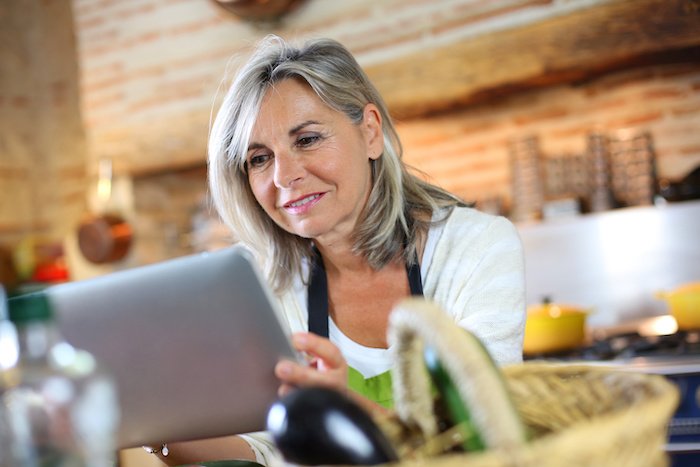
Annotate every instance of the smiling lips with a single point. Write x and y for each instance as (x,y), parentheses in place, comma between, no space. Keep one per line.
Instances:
(302,205)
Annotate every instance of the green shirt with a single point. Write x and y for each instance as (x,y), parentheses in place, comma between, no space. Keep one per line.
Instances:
(377,388)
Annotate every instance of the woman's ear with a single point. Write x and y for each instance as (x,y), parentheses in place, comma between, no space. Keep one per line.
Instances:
(372,130)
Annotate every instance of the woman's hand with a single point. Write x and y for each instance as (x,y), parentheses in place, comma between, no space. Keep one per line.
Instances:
(326,368)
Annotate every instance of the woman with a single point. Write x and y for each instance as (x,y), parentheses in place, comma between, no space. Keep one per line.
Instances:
(305,167)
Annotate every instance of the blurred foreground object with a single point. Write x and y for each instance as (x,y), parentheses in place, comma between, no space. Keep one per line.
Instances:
(573,415)
(8,271)
(59,409)
(319,426)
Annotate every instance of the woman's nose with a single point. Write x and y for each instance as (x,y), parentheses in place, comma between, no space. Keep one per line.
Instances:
(288,169)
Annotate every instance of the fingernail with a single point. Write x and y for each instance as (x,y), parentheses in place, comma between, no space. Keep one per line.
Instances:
(284,369)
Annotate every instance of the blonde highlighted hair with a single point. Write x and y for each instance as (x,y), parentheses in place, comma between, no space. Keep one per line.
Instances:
(400,203)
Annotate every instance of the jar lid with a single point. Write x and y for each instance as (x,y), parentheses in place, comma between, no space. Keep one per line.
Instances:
(30,307)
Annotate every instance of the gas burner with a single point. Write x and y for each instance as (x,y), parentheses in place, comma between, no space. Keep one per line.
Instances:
(631,345)
(680,343)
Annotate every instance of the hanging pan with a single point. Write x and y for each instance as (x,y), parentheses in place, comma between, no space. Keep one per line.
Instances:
(103,236)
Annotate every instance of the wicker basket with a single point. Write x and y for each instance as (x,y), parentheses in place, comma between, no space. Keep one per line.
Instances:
(575,415)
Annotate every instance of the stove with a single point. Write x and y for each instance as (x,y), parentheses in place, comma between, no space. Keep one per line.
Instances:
(632,345)
(675,356)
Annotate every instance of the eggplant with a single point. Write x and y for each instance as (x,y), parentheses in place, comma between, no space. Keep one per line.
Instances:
(319,426)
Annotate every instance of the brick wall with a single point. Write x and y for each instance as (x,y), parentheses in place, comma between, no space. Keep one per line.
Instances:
(42,142)
(468,151)
(150,70)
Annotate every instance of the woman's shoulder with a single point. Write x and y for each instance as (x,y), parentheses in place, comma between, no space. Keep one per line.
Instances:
(467,234)
(470,239)
(465,221)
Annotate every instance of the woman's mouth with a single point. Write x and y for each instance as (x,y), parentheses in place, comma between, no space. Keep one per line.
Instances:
(302,204)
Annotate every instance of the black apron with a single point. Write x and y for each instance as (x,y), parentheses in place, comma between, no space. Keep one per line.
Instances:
(318,293)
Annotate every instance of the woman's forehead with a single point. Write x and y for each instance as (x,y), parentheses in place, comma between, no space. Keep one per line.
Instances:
(289,105)
(291,94)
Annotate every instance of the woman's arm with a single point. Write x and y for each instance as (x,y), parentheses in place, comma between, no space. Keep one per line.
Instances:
(497,301)
(191,452)
(478,276)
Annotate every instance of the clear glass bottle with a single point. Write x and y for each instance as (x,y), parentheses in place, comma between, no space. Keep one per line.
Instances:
(60,409)
(8,350)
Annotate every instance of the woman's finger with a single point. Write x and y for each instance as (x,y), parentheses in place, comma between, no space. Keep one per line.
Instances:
(293,374)
(318,347)
(285,389)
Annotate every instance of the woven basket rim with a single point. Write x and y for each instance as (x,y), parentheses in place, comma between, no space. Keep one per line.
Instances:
(603,432)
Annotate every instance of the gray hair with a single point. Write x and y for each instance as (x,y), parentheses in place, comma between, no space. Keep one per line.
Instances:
(401,203)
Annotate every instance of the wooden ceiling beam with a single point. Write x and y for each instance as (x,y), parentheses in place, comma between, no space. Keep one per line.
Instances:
(557,50)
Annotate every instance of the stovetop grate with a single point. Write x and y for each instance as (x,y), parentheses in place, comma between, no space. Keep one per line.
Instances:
(630,345)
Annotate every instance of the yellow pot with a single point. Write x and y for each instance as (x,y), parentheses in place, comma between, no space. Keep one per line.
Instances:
(684,305)
(552,327)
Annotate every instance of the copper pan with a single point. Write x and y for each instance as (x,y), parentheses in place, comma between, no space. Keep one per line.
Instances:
(104,238)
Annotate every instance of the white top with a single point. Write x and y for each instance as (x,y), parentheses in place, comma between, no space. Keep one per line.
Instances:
(369,361)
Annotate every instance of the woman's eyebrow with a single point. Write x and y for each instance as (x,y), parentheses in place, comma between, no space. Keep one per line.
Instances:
(294,130)
(253,146)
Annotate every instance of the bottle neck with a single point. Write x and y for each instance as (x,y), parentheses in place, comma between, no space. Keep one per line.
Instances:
(36,338)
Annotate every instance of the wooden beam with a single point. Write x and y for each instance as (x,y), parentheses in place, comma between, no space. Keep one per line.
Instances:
(561,49)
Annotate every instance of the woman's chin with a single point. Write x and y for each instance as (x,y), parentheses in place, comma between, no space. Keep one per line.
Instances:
(319,231)
(305,232)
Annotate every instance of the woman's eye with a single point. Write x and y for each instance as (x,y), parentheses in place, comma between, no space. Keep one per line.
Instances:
(257,161)
(307,140)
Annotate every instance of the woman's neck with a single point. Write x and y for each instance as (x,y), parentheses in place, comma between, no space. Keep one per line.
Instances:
(338,260)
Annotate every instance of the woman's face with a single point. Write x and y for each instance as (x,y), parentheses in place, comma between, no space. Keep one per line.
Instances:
(309,165)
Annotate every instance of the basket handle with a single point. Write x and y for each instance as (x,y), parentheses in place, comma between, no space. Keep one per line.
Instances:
(416,322)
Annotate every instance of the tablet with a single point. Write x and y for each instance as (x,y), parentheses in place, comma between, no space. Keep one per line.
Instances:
(191,343)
